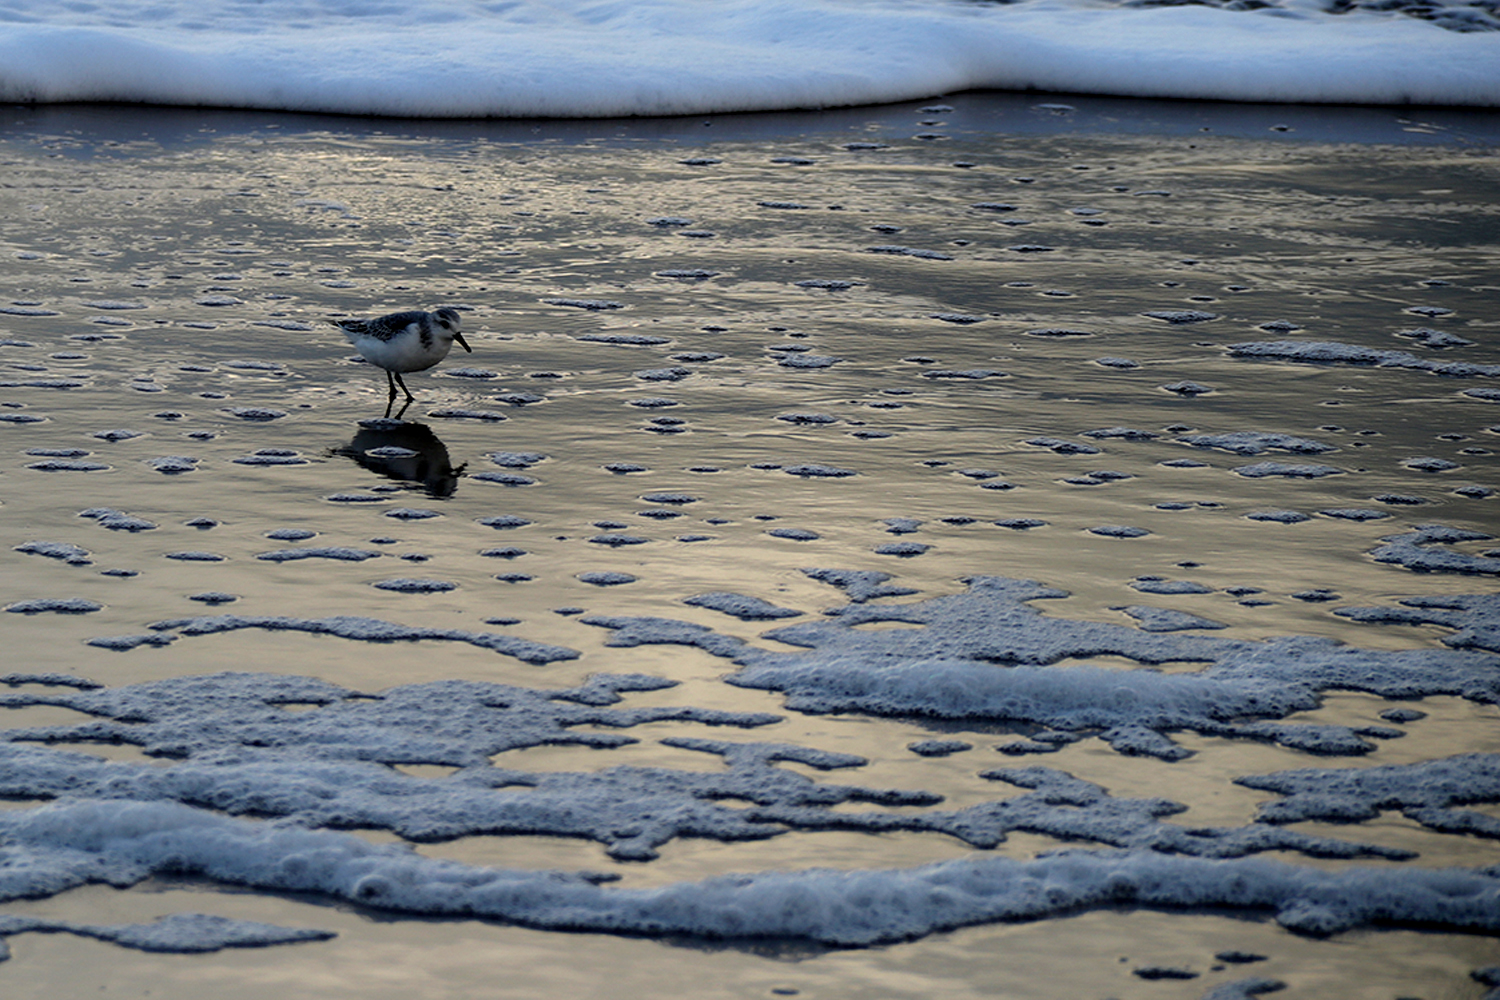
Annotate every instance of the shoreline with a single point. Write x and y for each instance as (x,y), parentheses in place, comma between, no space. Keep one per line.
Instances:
(973,114)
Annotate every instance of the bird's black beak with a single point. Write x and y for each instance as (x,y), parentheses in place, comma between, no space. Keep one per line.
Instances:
(463,343)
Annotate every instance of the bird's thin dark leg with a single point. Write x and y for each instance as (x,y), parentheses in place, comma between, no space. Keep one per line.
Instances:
(409,397)
(390,400)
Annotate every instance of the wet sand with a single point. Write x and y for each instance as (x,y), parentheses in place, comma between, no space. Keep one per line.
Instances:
(940,299)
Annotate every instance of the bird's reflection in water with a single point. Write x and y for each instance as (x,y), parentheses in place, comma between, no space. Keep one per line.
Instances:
(406,452)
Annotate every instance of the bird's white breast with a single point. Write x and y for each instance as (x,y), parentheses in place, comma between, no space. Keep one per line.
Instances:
(403,352)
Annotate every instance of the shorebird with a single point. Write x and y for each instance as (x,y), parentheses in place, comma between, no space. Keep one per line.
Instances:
(404,342)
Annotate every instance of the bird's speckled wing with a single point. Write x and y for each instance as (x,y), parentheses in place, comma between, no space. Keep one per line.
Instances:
(383,327)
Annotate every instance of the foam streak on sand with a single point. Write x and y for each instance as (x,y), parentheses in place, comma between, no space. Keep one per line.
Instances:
(947,670)
(573,58)
(123,842)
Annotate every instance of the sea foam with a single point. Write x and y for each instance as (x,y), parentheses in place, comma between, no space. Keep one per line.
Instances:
(575,58)
(122,842)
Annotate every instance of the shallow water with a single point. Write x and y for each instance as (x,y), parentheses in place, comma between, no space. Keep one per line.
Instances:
(176,284)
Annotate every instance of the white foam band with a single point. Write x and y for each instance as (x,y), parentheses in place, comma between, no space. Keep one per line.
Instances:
(572,58)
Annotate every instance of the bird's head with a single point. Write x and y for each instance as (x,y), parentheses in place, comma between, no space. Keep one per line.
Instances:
(448,321)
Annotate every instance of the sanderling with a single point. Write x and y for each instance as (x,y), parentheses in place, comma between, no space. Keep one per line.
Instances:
(404,342)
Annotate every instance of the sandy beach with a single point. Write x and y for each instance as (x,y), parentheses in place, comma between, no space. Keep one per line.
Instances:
(1211,375)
